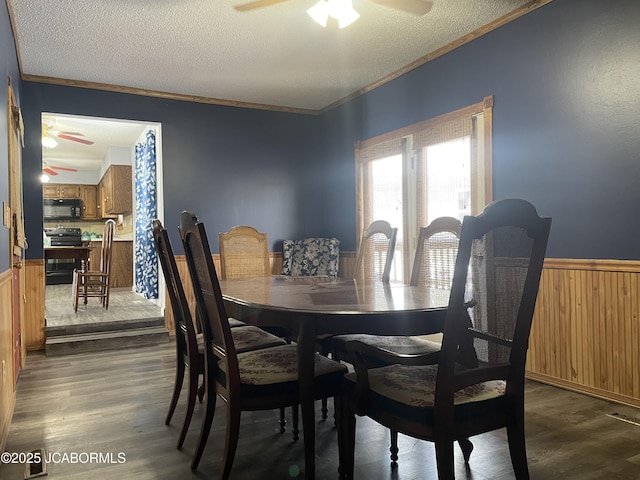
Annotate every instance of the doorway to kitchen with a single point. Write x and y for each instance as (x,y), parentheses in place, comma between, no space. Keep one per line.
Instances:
(89,174)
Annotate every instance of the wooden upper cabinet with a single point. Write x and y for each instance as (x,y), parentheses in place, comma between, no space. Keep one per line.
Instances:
(60,190)
(89,198)
(116,191)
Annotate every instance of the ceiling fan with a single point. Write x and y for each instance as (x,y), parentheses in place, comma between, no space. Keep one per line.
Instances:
(51,170)
(49,134)
(342,10)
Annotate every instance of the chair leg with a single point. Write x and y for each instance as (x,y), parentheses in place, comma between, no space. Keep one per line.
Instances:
(231,443)
(444,459)
(209,411)
(518,450)
(177,386)
(467,447)
(394,447)
(191,402)
(75,291)
(283,420)
(346,422)
(324,410)
(106,298)
(295,418)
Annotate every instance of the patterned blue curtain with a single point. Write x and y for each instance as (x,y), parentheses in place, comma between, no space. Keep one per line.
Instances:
(146,257)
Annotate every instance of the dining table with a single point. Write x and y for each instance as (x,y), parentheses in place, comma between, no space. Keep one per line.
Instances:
(306,307)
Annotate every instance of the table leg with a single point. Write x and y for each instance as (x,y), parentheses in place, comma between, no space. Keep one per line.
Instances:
(306,355)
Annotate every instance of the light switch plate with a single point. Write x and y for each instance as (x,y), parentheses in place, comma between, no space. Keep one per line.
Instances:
(6,215)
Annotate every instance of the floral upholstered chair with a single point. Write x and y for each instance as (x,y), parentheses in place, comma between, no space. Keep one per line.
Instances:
(311,257)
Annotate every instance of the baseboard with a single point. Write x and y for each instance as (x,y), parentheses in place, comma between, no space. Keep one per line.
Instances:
(586,390)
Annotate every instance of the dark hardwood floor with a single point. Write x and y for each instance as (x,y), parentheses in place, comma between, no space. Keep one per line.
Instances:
(112,402)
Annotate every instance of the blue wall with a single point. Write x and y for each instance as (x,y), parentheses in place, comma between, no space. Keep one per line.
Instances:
(8,68)
(566,81)
(230,165)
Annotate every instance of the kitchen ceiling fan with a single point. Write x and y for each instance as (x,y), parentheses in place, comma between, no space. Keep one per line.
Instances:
(51,170)
(342,10)
(49,134)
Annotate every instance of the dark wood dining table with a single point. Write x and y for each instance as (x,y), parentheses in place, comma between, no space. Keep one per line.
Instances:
(309,306)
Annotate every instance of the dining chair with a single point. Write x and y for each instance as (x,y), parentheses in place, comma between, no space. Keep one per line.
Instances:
(375,252)
(445,398)
(433,265)
(257,380)
(190,343)
(311,257)
(96,283)
(244,252)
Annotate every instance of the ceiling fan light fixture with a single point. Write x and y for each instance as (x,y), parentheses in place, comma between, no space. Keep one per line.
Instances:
(44,178)
(49,142)
(341,10)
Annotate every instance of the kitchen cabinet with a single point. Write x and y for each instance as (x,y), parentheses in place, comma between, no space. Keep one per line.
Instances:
(121,261)
(89,198)
(60,190)
(115,191)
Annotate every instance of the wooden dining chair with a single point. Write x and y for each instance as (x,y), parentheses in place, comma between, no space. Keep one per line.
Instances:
(375,252)
(445,398)
(433,267)
(244,252)
(96,283)
(257,380)
(189,343)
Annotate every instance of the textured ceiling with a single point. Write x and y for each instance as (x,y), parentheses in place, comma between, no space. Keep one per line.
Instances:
(273,56)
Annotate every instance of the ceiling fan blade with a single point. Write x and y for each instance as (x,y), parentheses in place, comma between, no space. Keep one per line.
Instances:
(65,169)
(71,133)
(417,7)
(48,171)
(256,4)
(74,139)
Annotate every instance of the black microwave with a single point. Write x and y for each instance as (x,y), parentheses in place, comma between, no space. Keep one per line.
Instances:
(62,209)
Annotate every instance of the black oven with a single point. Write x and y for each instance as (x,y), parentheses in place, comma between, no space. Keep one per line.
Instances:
(61,209)
(61,270)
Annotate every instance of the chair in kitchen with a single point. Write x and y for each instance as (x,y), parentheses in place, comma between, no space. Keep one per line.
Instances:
(375,253)
(258,380)
(311,257)
(244,252)
(189,343)
(96,283)
(444,398)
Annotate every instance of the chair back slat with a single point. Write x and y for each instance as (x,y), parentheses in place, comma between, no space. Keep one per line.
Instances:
(435,258)
(375,253)
(220,351)
(186,337)
(107,246)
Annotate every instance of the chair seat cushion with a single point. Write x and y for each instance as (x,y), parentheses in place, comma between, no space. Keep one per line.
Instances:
(410,391)
(247,338)
(278,365)
(415,344)
(252,338)
(235,323)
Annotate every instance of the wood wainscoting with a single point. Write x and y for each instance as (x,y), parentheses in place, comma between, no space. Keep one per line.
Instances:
(7,388)
(585,335)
